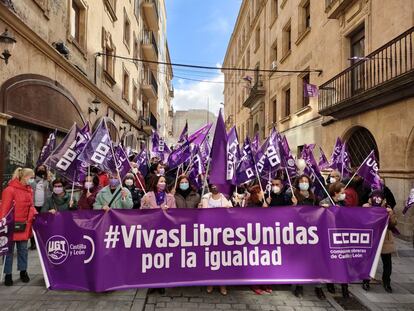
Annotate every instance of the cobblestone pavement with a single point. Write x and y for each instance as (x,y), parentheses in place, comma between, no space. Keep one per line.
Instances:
(34,295)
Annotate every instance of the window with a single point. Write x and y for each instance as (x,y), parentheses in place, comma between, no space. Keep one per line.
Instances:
(287,103)
(77,24)
(135,98)
(357,41)
(287,39)
(75,21)
(127,30)
(274,9)
(257,38)
(136,49)
(136,8)
(273,55)
(274,110)
(360,144)
(109,61)
(125,86)
(305,99)
(306,9)
(111,8)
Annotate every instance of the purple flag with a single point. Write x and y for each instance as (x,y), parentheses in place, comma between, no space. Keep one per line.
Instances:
(122,249)
(64,158)
(246,170)
(409,203)
(98,151)
(6,232)
(218,167)
(200,135)
(197,168)
(159,147)
(312,170)
(142,162)
(205,151)
(255,143)
(369,171)
(268,156)
(184,134)
(310,90)
(179,155)
(121,163)
(336,153)
(323,161)
(341,161)
(47,148)
(233,155)
(286,156)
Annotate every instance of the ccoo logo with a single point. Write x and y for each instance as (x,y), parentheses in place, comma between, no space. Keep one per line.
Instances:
(57,248)
(350,238)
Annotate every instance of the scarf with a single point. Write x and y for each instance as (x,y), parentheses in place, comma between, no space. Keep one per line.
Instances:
(160,197)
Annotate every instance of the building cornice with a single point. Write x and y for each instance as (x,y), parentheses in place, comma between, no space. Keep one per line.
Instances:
(14,22)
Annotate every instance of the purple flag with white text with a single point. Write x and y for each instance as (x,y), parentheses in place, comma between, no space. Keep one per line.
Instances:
(255,143)
(6,232)
(233,155)
(246,170)
(267,157)
(179,155)
(369,171)
(121,249)
(142,162)
(200,135)
(310,90)
(47,148)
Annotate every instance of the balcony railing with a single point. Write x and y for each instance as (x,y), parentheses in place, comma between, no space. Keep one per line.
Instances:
(383,72)
(149,79)
(149,38)
(256,91)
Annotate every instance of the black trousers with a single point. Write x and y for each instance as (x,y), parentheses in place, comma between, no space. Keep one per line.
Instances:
(386,268)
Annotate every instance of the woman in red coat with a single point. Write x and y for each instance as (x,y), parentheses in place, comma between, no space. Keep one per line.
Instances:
(19,192)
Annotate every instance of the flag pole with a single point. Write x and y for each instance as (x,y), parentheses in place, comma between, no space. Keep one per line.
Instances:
(73,188)
(2,269)
(290,183)
(205,178)
(176,176)
(356,172)
(113,153)
(322,185)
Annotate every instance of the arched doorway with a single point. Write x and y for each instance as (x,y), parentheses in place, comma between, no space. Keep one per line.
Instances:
(38,105)
(360,143)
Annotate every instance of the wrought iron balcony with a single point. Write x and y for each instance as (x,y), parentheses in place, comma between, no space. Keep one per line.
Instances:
(382,77)
(149,46)
(149,85)
(257,91)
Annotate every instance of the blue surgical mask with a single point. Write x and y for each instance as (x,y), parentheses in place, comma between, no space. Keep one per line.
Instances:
(184,186)
(304,186)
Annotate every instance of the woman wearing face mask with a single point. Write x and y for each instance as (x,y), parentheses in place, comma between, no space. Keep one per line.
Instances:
(113,196)
(19,191)
(338,195)
(185,196)
(377,199)
(215,199)
(156,169)
(60,199)
(158,196)
(277,196)
(305,196)
(136,193)
(89,193)
(41,191)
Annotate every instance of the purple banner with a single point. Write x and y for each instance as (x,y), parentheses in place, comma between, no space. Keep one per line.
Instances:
(6,232)
(121,249)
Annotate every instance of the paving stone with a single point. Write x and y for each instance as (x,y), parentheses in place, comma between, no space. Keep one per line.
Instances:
(239,306)
(284,308)
(223,306)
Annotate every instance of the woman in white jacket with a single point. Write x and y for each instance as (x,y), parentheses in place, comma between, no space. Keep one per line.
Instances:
(215,199)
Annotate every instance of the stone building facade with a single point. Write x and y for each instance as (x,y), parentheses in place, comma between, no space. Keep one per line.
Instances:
(63,63)
(360,55)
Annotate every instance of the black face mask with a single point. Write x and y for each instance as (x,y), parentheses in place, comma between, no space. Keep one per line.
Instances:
(41,174)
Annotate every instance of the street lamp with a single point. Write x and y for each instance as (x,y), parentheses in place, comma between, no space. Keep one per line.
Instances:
(7,43)
(94,106)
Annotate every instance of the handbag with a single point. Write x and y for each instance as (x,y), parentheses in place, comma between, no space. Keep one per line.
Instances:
(20,226)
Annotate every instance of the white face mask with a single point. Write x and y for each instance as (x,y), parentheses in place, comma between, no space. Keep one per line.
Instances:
(303,186)
(342,197)
(135,170)
(276,189)
(129,182)
(88,184)
(332,180)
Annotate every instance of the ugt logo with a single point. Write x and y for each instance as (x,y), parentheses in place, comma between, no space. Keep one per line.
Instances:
(57,248)
(350,238)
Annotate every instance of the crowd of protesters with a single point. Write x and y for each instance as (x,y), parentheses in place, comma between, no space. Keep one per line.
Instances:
(38,191)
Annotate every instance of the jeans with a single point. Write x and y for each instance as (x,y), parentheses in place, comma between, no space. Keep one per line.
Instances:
(21,257)
(386,268)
